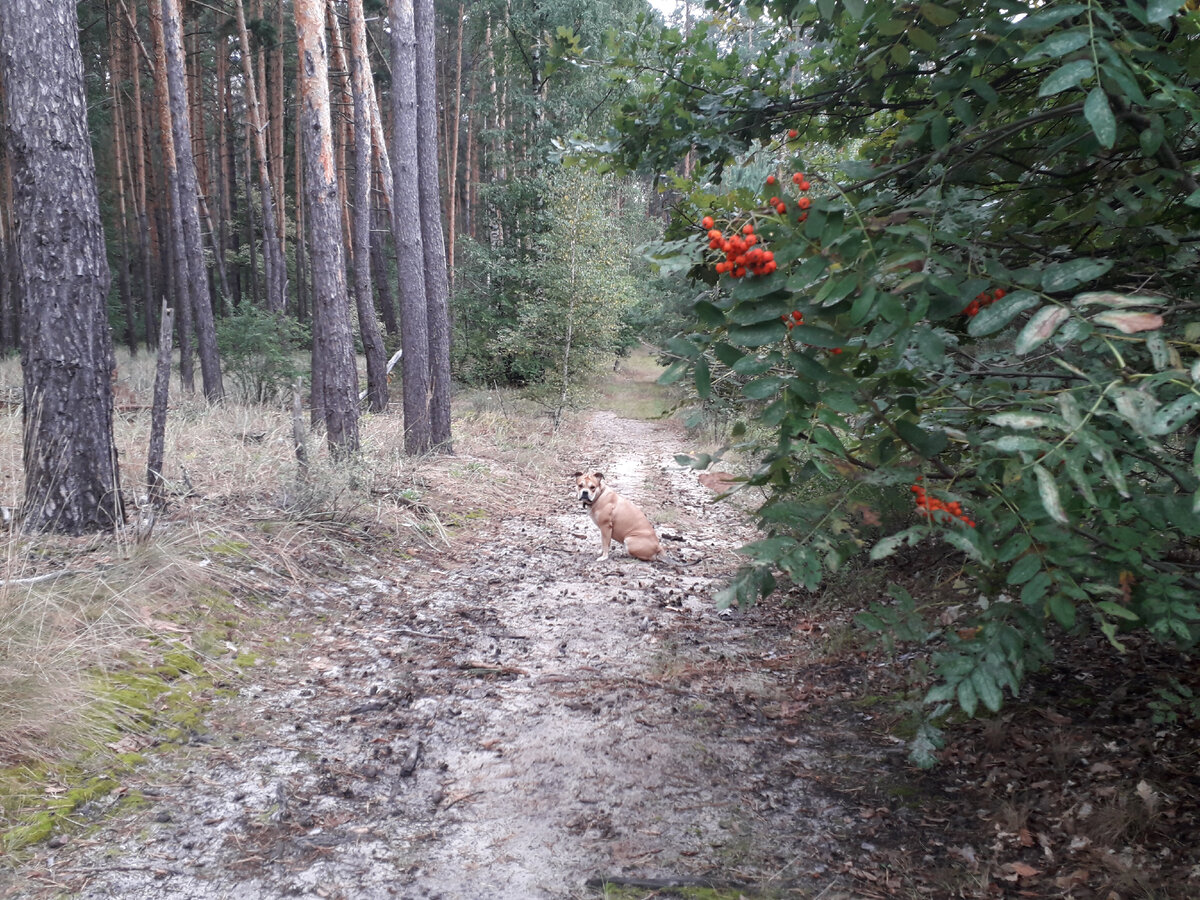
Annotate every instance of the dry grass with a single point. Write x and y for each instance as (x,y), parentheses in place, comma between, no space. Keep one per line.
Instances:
(241,523)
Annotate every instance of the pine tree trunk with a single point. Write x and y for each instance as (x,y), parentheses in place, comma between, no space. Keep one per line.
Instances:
(336,360)
(72,479)
(379,269)
(116,72)
(408,228)
(437,283)
(368,325)
(201,300)
(276,273)
(276,118)
(155,482)
(302,306)
(141,176)
(452,159)
(177,260)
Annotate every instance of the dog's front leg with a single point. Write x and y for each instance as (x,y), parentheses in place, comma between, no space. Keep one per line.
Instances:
(605,540)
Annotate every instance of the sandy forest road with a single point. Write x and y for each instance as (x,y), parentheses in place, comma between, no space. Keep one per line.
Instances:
(508,719)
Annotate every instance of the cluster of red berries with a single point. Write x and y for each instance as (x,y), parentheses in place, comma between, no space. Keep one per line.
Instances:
(741,256)
(981,300)
(931,505)
(802,204)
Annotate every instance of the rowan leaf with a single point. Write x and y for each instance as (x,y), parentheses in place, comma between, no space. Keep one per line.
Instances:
(1040,328)
(1048,492)
(1100,116)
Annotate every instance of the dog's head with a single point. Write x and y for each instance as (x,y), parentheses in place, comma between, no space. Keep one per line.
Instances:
(589,486)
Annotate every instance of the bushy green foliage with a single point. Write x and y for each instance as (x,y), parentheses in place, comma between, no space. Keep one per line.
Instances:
(997,282)
(553,289)
(259,352)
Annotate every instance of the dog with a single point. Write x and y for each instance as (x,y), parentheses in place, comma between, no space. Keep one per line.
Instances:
(617,518)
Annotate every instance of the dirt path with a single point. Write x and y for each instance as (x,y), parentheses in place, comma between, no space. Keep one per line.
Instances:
(509,719)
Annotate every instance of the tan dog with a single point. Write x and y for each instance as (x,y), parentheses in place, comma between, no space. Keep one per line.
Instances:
(617,518)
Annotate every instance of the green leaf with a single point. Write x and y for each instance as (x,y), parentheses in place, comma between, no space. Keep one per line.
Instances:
(855,9)
(818,337)
(1058,45)
(763,388)
(993,318)
(961,540)
(968,700)
(1066,77)
(1062,609)
(928,443)
(756,335)
(1024,569)
(1159,12)
(703,379)
(938,15)
(1175,414)
(894,542)
(1040,328)
(1048,491)
(1022,420)
(1066,275)
(1118,611)
(1100,116)
(987,689)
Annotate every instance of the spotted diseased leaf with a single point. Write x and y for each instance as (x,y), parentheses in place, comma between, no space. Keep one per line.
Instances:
(1040,328)
(1072,273)
(1021,421)
(993,318)
(1048,491)
(986,689)
(1129,322)
(1176,414)
(1099,115)
(1116,301)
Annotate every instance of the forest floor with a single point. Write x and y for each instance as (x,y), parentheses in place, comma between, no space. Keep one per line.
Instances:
(500,715)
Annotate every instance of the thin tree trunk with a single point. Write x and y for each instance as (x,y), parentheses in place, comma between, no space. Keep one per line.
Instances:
(379,267)
(302,306)
(116,64)
(72,478)
(409,228)
(178,261)
(437,283)
(336,360)
(452,159)
(276,118)
(368,325)
(276,273)
(201,300)
(139,182)
(155,482)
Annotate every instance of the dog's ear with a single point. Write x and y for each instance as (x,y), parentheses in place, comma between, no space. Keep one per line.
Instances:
(577,474)
(598,475)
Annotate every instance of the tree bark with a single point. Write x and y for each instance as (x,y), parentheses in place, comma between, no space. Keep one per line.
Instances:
(336,359)
(368,325)
(141,176)
(379,267)
(155,482)
(273,262)
(178,261)
(197,280)
(437,282)
(408,228)
(72,479)
(452,157)
(116,70)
